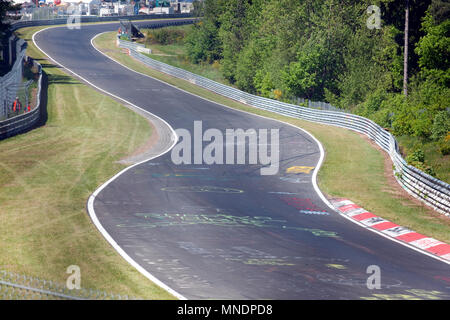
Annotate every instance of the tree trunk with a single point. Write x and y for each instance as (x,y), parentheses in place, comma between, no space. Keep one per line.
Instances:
(405,58)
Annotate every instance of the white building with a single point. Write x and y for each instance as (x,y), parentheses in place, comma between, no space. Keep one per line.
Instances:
(162,10)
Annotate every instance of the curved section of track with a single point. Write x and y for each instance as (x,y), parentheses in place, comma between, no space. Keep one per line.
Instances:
(225,231)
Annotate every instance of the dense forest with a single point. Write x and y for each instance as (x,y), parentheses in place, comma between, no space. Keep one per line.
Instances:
(337,51)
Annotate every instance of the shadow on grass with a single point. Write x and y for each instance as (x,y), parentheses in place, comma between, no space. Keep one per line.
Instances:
(47,65)
(61,79)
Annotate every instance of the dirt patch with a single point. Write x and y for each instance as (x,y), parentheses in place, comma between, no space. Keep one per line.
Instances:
(394,188)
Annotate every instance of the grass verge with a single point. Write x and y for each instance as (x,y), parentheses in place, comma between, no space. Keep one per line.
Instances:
(342,175)
(46,177)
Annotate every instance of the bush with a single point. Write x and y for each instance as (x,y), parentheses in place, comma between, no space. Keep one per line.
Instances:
(165,36)
(383,117)
(202,43)
(444,145)
(444,148)
(417,159)
(416,156)
(441,125)
(423,167)
(373,102)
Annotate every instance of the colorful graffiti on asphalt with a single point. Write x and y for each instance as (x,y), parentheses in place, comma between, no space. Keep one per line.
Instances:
(155,220)
(299,169)
(190,176)
(320,213)
(304,205)
(249,256)
(212,189)
(295,180)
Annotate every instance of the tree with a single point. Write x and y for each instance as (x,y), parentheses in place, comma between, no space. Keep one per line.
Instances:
(5,6)
(405,58)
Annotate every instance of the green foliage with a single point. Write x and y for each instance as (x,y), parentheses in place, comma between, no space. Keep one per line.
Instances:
(416,156)
(165,36)
(441,125)
(202,43)
(5,6)
(323,50)
(433,48)
(417,159)
(444,147)
(302,78)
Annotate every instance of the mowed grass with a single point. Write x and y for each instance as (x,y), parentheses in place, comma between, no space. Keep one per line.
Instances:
(46,177)
(433,156)
(353,167)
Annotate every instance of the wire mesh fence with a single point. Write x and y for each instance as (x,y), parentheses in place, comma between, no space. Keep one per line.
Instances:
(20,92)
(21,287)
(43,13)
(320,105)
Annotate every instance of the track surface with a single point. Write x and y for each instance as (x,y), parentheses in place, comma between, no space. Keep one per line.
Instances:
(189,226)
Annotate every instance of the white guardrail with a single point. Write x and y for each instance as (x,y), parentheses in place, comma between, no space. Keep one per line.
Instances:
(422,186)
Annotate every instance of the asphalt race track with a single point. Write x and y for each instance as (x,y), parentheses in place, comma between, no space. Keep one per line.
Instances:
(226,231)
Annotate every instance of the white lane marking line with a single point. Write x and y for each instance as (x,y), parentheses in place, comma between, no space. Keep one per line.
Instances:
(90,204)
(316,170)
(446,256)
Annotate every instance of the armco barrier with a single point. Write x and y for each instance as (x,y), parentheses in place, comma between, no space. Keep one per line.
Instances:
(431,191)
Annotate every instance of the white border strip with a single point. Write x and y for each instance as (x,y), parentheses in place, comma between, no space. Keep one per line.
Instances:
(90,203)
(316,170)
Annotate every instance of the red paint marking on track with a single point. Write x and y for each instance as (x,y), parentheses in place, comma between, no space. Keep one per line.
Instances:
(446,279)
(364,216)
(412,236)
(385,225)
(348,207)
(440,249)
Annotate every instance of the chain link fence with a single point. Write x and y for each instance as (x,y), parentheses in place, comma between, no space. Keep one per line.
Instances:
(21,91)
(43,13)
(11,83)
(21,287)
(314,104)
(28,116)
